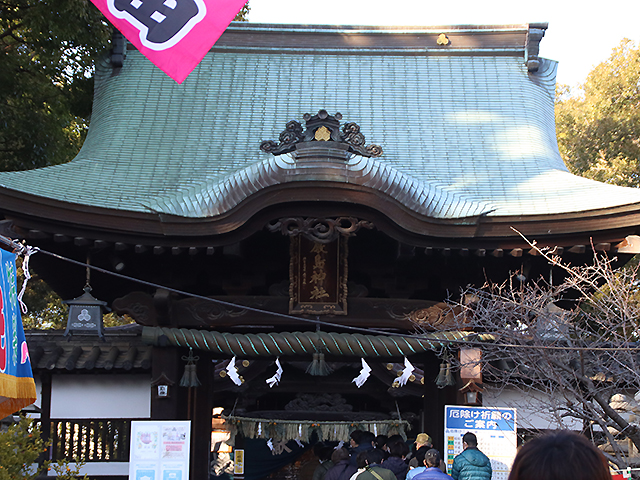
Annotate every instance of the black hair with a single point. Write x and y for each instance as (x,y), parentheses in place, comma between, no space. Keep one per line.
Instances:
(560,455)
(470,439)
(375,455)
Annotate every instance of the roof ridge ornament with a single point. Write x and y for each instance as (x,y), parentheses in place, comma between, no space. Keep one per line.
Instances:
(532,48)
(321,128)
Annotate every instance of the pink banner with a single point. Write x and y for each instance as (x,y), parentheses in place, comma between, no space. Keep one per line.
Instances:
(174,34)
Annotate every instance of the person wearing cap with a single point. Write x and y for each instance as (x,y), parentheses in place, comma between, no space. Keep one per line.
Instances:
(422,440)
(419,457)
(432,470)
(471,464)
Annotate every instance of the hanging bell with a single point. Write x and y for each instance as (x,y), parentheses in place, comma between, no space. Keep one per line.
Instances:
(190,377)
(449,380)
(318,367)
(441,379)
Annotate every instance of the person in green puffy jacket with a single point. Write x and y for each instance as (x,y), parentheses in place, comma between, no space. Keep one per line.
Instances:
(471,464)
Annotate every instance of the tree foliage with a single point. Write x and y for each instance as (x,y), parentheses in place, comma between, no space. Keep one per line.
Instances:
(21,445)
(579,365)
(598,125)
(47,48)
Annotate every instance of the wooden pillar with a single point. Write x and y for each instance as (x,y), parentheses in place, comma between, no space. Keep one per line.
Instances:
(45,414)
(167,361)
(202,403)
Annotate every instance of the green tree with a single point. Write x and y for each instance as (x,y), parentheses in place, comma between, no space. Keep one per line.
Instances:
(21,445)
(47,49)
(598,125)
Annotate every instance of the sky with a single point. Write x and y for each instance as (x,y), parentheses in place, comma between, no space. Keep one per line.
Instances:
(581,34)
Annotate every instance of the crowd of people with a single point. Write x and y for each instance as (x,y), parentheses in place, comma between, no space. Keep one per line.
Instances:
(556,456)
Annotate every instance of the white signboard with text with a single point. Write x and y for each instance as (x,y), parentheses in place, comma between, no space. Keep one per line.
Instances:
(159,450)
(495,429)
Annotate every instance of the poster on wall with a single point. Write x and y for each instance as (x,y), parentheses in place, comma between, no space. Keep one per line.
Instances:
(159,450)
(495,429)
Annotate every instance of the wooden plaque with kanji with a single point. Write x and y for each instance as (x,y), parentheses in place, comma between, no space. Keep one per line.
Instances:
(318,274)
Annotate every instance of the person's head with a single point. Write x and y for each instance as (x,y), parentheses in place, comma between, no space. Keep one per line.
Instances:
(367,438)
(470,440)
(420,454)
(432,458)
(355,438)
(375,455)
(423,439)
(381,441)
(339,454)
(322,451)
(361,459)
(398,449)
(558,456)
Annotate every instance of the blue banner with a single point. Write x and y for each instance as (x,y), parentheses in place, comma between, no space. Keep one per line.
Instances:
(17,388)
(480,418)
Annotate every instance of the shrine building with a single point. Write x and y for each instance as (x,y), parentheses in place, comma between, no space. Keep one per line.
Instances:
(309,194)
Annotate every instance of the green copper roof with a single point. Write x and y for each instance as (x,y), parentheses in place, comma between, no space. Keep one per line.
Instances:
(464,134)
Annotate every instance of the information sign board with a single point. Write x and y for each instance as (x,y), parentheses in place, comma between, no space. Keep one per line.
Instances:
(159,450)
(495,429)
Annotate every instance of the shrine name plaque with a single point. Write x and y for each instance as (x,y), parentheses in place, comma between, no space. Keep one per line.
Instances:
(318,274)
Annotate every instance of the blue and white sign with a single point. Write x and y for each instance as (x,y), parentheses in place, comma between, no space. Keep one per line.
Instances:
(495,428)
(478,418)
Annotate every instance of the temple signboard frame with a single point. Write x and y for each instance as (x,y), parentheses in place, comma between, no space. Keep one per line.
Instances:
(318,276)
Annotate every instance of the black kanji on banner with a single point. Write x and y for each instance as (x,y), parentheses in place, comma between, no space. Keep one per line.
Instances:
(160,21)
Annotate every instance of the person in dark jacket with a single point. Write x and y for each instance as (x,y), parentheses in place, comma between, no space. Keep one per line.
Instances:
(360,442)
(342,469)
(471,464)
(374,470)
(432,460)
(323,452)
(397,453)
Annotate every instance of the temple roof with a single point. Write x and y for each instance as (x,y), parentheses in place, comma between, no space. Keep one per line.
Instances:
(464,116)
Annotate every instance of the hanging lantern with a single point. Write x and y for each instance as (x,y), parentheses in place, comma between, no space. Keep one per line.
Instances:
(190,377)
(472,393)
(85,314)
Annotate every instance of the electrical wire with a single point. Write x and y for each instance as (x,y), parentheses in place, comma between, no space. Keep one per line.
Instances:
(21,249)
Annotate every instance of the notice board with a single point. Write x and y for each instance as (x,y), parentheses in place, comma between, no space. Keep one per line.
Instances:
(159,450)
(495,429)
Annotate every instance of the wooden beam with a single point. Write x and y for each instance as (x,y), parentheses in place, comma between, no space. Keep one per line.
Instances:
(81,241)
(193,251)
(602,247)
(60,238)
(516,252)
(464,252)
(176,250)
(481,252)
(120,246)
(158,250)
(446,252)
(498,252)
(210,250)
(38,234)
(100,244)
(140,248)
(577,249)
